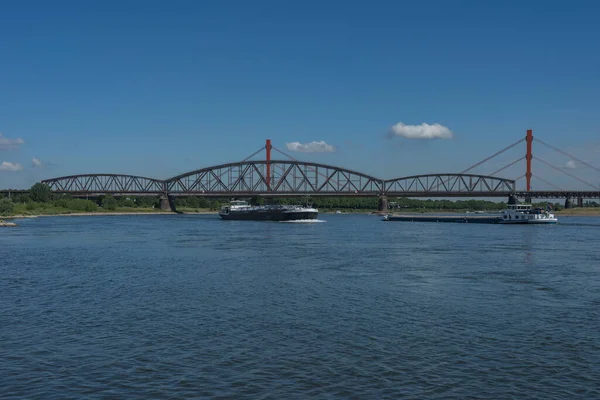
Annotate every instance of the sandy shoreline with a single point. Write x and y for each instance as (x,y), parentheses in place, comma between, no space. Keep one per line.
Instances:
(88,214)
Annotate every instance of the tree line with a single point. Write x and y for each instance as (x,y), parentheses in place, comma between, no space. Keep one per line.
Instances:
(41,198)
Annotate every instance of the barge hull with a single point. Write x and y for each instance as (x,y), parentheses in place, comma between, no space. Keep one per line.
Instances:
(269,215)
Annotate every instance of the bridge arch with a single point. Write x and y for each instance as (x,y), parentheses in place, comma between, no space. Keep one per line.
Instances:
(450,185)
(293,178)
(105,183)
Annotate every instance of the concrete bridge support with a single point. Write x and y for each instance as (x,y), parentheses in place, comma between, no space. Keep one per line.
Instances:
(167,203)
(580,201)
(568,203)
(383,204)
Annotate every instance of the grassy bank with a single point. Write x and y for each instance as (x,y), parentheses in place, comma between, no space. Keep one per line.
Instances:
(50,209)
(43,209)
(582,211)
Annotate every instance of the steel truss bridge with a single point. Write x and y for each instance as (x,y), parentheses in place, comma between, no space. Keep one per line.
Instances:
(287,179)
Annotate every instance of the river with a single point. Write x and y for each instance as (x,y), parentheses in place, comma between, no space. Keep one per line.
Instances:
(189,306)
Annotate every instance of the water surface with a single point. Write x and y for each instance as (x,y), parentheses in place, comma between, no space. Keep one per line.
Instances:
(189,306)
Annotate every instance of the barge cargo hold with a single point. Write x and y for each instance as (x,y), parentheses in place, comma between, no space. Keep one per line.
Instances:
(473,219)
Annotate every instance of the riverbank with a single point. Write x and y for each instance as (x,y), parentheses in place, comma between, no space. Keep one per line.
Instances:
(49,211)
(107,213)
(579,212)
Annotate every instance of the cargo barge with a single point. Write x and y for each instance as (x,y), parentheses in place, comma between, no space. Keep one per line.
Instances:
(240,210)
(514,214)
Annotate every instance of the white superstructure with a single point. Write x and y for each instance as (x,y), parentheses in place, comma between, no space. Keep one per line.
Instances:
(524,214)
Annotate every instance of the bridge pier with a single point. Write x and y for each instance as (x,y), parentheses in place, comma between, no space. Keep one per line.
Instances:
(383,204)
(512,199)
(568,203)
(580,201)
(167,203)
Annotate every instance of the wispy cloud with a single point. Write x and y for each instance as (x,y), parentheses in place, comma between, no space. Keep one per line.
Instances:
(570,164)
(423,131)
(7,143)
(312,147)
(8,166)
(36,163)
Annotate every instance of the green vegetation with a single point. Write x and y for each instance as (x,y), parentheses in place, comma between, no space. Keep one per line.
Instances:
(41,201)
(109,203)
(580,211)
(40,193)
(60,206)
(197,204)
(6,207)
(591,204)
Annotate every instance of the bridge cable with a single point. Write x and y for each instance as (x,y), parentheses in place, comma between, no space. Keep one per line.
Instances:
(244,160)
(568,155)
(506,166)
(489,158)
(285,154)
(548,183)
(293,159)
(493,155)
(309,167)
(521,177)
(253,154)
(565,172)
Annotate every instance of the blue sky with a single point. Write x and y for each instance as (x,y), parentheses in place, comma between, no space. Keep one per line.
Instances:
(158,88)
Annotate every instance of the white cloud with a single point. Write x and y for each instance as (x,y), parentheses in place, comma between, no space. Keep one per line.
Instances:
(8,166)
(312,147)
(571,164)
(6,143)
(36,163)
(423,131)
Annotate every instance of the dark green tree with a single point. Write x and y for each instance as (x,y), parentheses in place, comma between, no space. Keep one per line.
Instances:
(6,206)
(126,202)
(203,202)
(192,202)
(109,203)
(40,193)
